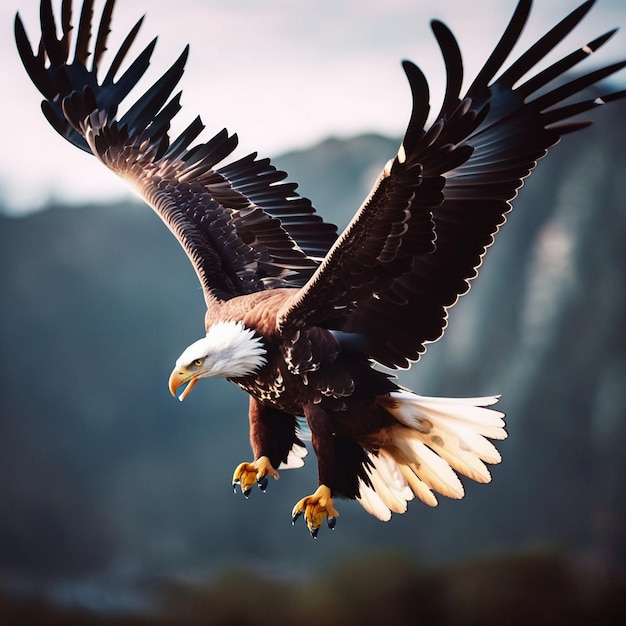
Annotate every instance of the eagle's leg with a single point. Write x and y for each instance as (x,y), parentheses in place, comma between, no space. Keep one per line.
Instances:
(319,505)
(272,437)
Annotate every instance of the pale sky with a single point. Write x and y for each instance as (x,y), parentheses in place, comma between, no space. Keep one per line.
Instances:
(282,74)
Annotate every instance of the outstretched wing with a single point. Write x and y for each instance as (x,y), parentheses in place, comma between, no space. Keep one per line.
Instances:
(243,228)
(418,241)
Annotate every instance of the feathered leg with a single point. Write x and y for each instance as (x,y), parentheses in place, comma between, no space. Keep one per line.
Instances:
(275,445)
(319,505)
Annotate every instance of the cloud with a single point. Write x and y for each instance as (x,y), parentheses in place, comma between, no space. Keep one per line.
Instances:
(280,74)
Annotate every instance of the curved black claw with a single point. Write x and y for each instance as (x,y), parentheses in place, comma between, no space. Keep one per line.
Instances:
(331,521)
(263,483)
(246,492)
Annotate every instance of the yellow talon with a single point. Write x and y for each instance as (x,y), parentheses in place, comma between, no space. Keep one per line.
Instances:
(315,508)
(247,474)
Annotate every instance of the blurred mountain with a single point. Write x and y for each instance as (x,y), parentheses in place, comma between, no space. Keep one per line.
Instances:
(105,480)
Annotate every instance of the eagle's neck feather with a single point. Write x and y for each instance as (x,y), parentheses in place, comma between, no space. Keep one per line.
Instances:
(238,349)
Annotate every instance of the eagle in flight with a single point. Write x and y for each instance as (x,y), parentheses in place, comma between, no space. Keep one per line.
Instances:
(306,321)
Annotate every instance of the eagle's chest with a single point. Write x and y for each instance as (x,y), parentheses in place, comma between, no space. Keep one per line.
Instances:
(327,384)
(277,386)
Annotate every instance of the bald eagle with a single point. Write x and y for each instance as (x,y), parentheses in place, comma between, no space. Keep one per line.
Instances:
(306,321)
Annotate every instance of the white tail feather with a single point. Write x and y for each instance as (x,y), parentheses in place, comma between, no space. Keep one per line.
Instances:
(418,486)
(389,484)
(428,466)
(434,438)
(373,503)
(295,458)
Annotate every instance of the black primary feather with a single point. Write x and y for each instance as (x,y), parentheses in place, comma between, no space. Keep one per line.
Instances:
(472,159)
(243,228)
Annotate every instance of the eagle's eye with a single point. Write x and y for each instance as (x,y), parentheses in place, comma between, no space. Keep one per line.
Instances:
(198,362)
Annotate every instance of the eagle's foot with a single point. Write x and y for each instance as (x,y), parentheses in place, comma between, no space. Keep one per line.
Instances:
(247,474)
(315,508)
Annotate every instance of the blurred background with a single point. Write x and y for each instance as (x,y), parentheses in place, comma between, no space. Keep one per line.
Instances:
(116,499)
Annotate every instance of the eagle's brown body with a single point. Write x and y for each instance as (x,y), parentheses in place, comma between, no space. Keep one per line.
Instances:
(297,316)
(310,373)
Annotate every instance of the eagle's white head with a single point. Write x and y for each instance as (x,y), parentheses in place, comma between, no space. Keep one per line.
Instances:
(229,350)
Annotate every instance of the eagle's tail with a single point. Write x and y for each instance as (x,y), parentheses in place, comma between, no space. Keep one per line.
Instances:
(434,438)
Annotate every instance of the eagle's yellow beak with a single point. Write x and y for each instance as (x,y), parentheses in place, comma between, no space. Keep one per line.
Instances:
(179,377)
